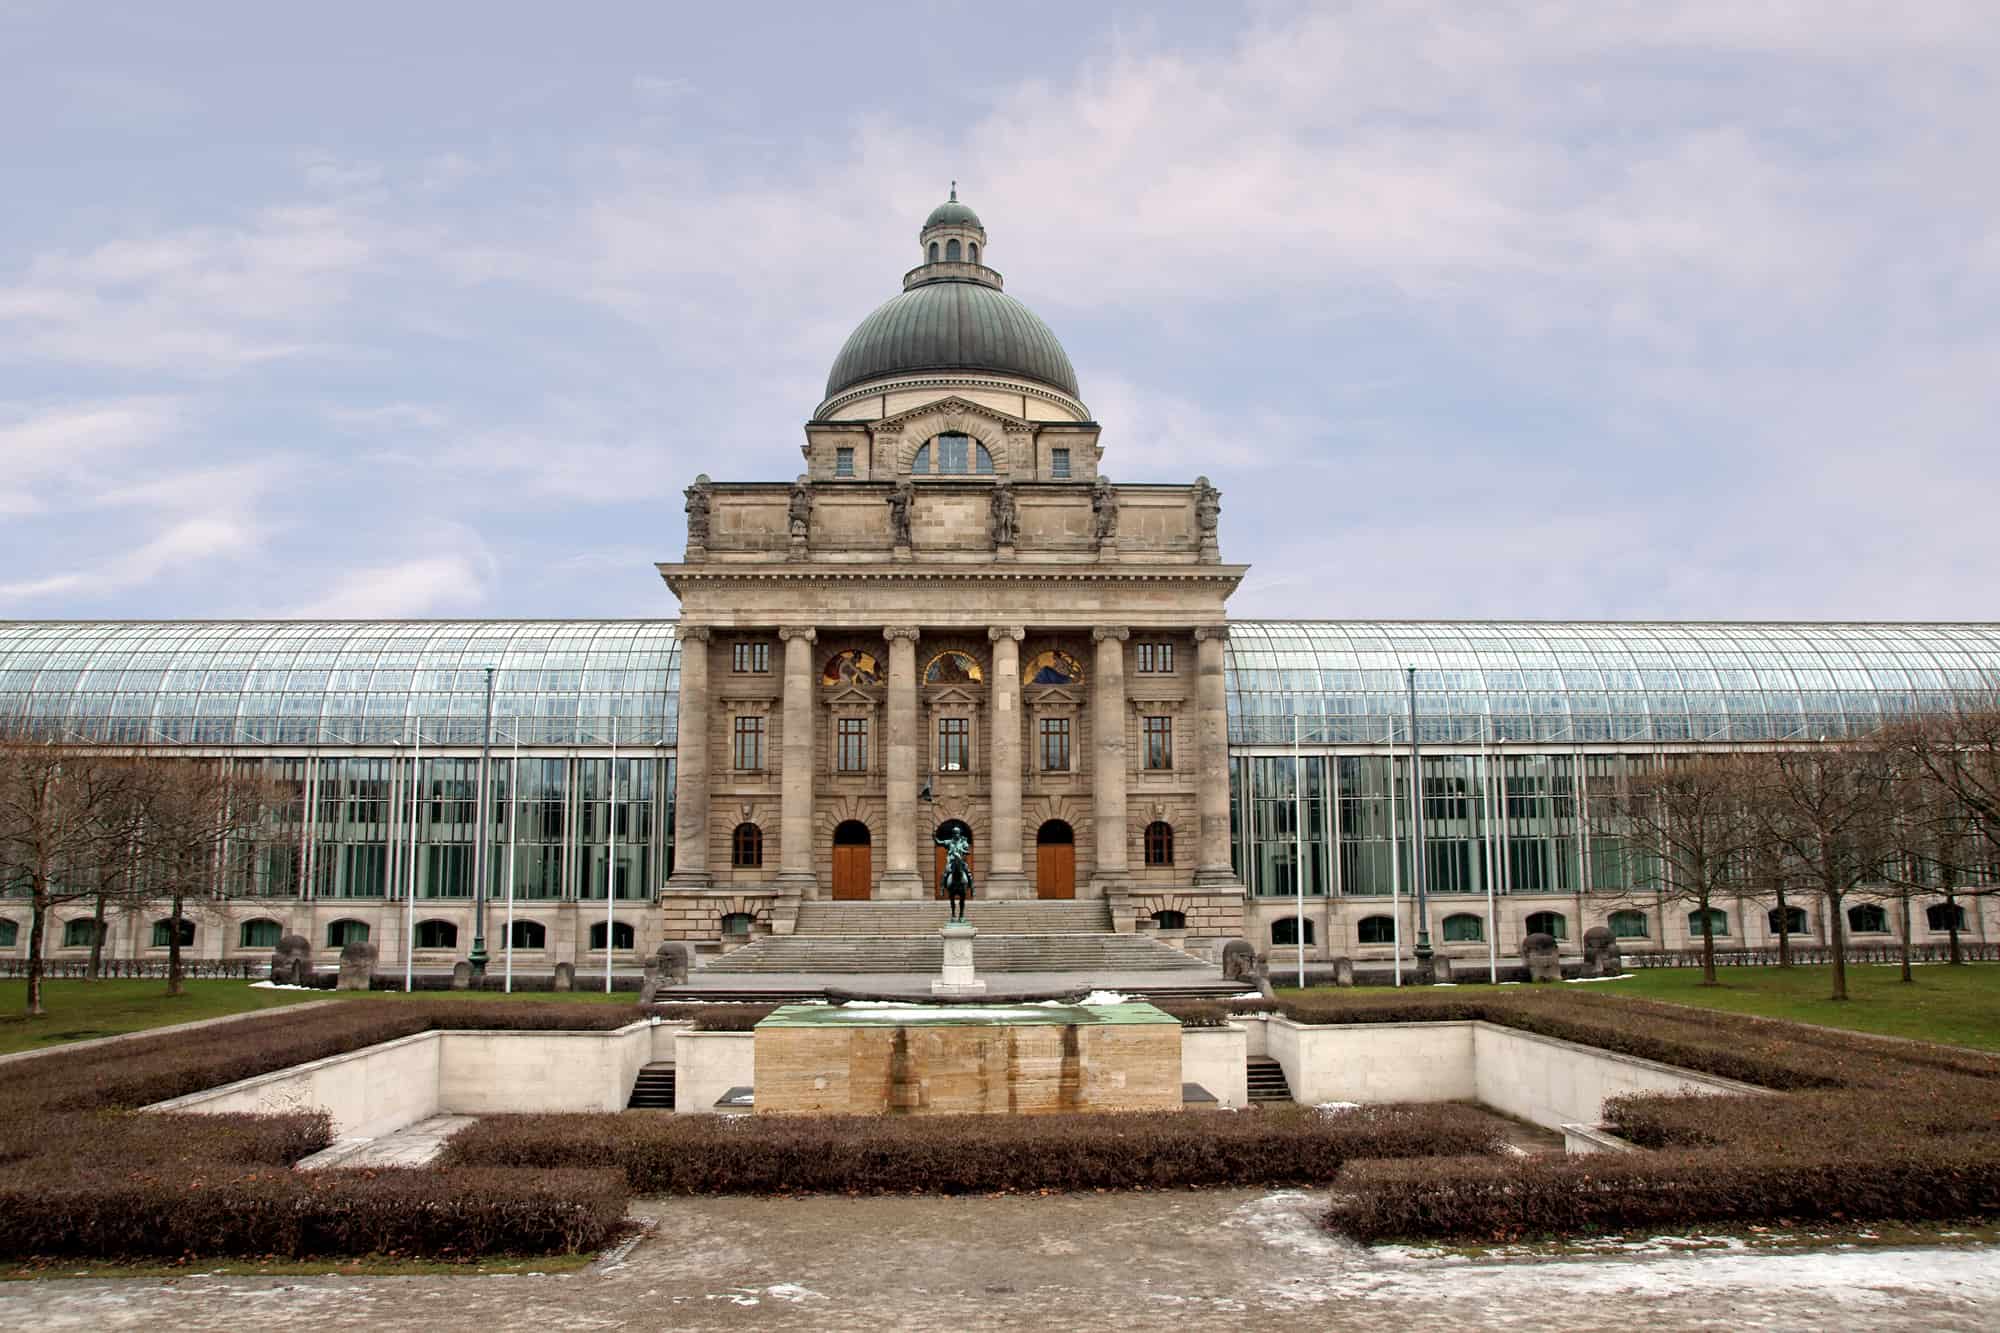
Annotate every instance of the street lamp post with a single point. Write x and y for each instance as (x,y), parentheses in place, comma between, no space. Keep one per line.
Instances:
(1423,950)
(479,956)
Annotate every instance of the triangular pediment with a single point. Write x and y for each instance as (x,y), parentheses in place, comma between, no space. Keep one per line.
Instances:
(951,694)
(851,694)
(952,406)
(1054,694)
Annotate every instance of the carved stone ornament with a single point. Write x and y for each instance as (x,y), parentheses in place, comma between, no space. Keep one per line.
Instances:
(697,510)
(900,500)
(1103,632)
(692,633)
(1104,508)
(1001,514)
(999,632)
(1207,507)
(1218,632)
(786,633)
(910,632)
(799,512)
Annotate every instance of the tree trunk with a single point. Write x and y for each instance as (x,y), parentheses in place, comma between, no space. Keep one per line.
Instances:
(1909,977)
(1784,932)
(38,924)
(1951,915)
(97,943)
(1707,946)
(174,950)
(1839,925)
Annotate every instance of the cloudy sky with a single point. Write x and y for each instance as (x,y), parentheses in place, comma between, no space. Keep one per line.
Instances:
(1600,309)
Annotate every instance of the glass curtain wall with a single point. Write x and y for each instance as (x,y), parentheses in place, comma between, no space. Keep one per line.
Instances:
(1270,790)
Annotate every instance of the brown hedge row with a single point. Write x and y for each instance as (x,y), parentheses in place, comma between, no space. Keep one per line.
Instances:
(1500,1199)
(700,1154)
(279,1212)
(85,1173)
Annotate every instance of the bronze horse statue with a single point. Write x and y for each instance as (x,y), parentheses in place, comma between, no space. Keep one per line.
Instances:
(957,874)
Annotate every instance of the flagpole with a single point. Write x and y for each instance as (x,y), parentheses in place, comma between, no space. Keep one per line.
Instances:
(410,902)
(513,821)
(1299,845)
(1395,864)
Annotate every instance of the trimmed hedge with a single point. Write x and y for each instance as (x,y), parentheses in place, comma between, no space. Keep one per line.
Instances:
(701,1154)
(87,1174)
(418,1213)
(1501,1200)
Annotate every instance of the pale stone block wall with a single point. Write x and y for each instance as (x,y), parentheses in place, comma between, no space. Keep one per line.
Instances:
(1215,1058)
(488,1073)
(370,1092)
(708,1064)
(1552,1082)
(1375,1062)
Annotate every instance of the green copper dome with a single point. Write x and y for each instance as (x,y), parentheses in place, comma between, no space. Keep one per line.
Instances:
(952,325)
(951,213)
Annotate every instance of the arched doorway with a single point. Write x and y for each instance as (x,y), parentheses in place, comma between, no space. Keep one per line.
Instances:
(945,830)
(1055,860)
(851,868)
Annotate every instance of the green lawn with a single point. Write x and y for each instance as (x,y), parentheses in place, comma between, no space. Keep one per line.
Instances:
(1960,1004)
(80,1010)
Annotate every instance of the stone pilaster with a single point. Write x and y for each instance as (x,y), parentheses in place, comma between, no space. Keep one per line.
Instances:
(899,877)
(795,875)
(1212,865)
(1107,730)
(691,764)
(1005,877)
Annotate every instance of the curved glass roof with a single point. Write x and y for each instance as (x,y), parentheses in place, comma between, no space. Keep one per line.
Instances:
(1583,682)
(570,682)
(340,682)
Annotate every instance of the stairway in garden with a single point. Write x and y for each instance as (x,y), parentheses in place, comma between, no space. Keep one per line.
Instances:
(1267,1080)
(654,1090)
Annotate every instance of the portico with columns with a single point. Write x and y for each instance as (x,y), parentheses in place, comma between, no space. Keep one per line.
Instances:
(953,615)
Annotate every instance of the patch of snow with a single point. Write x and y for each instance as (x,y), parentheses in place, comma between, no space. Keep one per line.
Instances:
(792,1292)
(1246,995)
(1335,1108)
(1578,981)
(272,985)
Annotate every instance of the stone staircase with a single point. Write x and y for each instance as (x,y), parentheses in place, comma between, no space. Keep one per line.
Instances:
(1267,1080)
(876,920)
(654,1090)
(913,952)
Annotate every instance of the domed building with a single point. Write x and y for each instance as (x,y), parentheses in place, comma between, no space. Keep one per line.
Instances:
(953,626)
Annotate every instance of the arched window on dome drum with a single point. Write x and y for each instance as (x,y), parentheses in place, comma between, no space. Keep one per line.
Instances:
(972,251)
(951,252)
(934,252)
(955,456)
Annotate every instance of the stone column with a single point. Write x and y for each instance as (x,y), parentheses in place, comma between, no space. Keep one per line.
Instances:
(1107,743)
(899,877)
(1004,875)
(795,874)
(1212,705)
(691,764)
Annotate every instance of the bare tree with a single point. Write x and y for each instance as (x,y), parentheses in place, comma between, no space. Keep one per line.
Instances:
(1689,820)
(1954,758)
(1829,810)
(194,812)
(61,815)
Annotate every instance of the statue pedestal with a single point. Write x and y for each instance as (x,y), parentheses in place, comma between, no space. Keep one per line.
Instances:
(958,978)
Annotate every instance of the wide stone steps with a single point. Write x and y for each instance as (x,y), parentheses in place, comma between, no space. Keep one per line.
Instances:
(872,920)
(991,953)
(655,1089)
(1267,1080)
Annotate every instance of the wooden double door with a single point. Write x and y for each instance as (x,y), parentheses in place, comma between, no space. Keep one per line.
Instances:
(853,862)
(1055,860)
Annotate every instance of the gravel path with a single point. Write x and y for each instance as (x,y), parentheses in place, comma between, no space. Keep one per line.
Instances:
(1132,1261)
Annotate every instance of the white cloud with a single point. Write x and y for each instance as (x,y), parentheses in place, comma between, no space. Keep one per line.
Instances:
(421,585)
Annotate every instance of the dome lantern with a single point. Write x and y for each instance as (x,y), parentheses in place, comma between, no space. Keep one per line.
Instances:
(952,234)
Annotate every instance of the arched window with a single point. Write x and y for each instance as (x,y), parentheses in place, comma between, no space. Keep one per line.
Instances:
(851,668)
(262,933)
(621,935)
(346,931)
(735,923)
(1548,923)
(10,933)
(1168,919)
(1376,930)
(1628,925)
(934,252)
(1868,919)
(529,935)
(1464,928)
(746,847)
(437,935)
(164,932)
(1718,921)
(953,668)
(920,466)
(951,252)
(1159,843)
(972,252)
(1792,923)
(957,455)
(82,933)
(1052,668)
(1285,930)
(1944,916)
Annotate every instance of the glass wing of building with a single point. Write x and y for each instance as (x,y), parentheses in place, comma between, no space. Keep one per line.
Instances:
(333,683)
(1584,683)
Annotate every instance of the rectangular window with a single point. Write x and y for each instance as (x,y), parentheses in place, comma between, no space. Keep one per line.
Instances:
(749,744)
(851,745)
(843,461)
(751,657)
(1055,745)
(954,745)
(1156,658)
(1059,464)
(1159,743)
